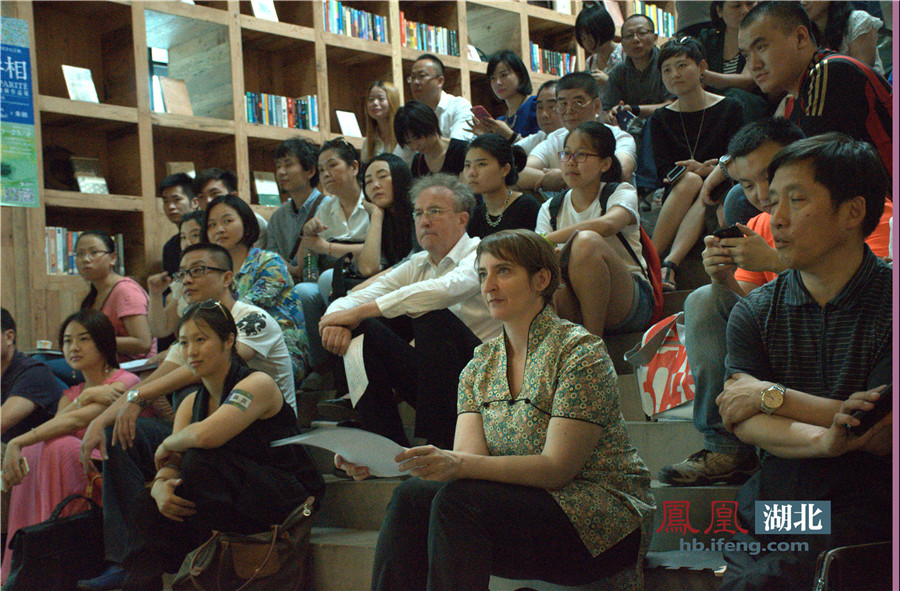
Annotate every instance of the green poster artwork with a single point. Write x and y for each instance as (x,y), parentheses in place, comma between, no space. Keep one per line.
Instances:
(18,157)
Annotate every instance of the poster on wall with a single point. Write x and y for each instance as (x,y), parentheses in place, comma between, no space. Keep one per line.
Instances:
(18,158)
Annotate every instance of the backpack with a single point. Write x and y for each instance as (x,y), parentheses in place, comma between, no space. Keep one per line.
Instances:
(652,268)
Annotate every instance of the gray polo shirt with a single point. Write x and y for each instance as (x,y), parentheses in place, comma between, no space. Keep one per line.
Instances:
(635,87)
(286,224)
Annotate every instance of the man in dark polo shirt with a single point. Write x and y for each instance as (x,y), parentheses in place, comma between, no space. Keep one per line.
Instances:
(29,390)
(178,199)
(805,351)
(826,91)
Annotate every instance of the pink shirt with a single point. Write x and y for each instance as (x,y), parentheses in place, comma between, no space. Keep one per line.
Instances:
(127,298)
(119,375)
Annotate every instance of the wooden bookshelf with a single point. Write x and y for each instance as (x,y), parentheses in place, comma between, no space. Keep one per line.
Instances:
(222,51)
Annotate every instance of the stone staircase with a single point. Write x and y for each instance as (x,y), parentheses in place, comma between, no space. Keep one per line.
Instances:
(346,530)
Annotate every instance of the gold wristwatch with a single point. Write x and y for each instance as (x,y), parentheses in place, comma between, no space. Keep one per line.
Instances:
(771,399)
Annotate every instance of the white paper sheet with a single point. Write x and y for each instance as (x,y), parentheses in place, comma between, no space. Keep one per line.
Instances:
(355,445)
(349,124)
(355,369)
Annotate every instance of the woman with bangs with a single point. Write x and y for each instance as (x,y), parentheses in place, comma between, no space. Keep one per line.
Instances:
(382,102)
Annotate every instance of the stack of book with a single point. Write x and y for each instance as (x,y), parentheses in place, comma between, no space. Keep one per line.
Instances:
(663,22)
(345,20)
(429,38)
(60,250)
(282,111)
(545,61)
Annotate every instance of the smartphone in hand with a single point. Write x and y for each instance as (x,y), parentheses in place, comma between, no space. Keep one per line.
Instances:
(624,116)
(867,418)
(729,232)
(480,112)
(675,174)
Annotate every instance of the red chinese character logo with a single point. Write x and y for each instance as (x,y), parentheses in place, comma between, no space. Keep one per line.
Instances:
(676,519)
(724,518)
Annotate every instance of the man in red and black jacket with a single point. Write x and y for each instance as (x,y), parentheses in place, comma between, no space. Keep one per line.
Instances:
(826,91)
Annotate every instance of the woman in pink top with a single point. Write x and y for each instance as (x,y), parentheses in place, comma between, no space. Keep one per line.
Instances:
(123,300)
(52,449)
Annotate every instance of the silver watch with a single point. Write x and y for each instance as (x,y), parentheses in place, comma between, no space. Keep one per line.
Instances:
(133,397)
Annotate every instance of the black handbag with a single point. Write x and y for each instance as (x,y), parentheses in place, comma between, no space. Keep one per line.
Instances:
(54,554)
(276,559)
(345,277)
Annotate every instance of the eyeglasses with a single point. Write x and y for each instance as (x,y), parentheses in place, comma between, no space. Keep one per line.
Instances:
(421,77)
(579,157)
(635,34)
(205,305)
(89,256)
(562,107)
(430,213)
(195,272)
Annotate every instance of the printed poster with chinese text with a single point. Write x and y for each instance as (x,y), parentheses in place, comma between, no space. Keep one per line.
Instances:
(18,158)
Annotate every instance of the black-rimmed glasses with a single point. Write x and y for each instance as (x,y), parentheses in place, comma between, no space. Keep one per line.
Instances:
(195,272)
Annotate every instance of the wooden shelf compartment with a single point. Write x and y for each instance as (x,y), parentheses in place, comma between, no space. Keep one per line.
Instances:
(128,223)
(205,148)
(278,65)
(250,23)
(494,26)
(482,94)
(93,35)
(552,35)
(216,4)
(76,200)
(114,143)
(289,11)
(57,110)
(199,54)
(362,68)
(553,15)
(440,14)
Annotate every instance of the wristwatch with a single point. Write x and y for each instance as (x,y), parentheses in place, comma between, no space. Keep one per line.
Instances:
(724,161)
(771,399)
(133,397)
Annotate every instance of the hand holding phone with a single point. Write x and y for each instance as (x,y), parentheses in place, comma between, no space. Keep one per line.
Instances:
(675,174)
(867,418)
(624,116)
(480,112)
(729,232)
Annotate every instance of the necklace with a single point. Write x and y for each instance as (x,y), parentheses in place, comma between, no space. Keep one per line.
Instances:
(487,216)
(699,130)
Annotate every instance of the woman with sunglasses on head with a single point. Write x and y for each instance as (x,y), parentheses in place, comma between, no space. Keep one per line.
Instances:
(382,102)
(217,470)
(416,127)
(492,170)
(88,342)
(542,481)
(511,84)
(607,289)
(261,277)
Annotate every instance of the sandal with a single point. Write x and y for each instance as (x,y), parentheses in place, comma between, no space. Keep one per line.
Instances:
(667,271)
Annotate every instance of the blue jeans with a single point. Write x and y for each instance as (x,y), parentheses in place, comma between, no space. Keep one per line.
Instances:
(314,301)
(706,313)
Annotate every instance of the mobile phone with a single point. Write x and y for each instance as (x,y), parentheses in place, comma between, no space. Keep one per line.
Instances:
(867,418)
(623,116)
(675,174)
(729,232)
(480,112)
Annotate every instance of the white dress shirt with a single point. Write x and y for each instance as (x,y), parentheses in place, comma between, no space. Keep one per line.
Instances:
(416,287)
(339,227)
(454,114)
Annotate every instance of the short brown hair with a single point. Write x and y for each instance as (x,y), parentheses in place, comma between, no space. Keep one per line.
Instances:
(525,248)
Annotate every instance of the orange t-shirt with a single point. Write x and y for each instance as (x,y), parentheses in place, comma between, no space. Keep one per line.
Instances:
(878,241)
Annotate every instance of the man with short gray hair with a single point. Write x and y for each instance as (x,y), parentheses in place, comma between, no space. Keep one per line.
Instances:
(434,298)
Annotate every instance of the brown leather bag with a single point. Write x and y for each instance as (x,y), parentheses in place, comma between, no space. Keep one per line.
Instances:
(276,559)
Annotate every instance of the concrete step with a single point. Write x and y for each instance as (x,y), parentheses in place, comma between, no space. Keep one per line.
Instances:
(343,558)
(660,443)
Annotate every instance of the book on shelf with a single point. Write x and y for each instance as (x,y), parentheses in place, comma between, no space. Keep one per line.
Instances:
(80,84)
(176,167)
(281,111)
(59,248)
(346,20)
(556,63)
(663,22)
(175,96)
(264,9)
(349,123)
(266,188)
(431,38)
(88,176)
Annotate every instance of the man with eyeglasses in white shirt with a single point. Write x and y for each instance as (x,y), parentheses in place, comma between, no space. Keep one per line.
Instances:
(426,83)
(577,101)
(433,298)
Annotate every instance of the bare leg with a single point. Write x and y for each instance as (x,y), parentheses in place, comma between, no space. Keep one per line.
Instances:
(688,232)
(676,206)
(600,285)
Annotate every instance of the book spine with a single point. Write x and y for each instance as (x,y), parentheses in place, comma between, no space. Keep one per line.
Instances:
(60,250)
(284,112)
(48,248)
(70,253)
(315,112)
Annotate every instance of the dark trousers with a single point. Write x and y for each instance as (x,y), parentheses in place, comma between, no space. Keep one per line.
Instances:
(125,473)
(232,493)
(455,535)
(426,376)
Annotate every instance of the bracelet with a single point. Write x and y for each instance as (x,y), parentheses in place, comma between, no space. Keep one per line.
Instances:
(544,236)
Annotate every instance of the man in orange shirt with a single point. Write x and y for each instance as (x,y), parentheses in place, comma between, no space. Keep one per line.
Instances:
(736,267)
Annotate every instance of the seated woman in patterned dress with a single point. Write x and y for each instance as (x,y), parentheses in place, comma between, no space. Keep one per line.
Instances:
(542,482)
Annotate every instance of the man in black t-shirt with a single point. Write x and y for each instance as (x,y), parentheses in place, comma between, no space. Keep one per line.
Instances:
(804,352)
(29,390)
(178,199)
(826,91)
